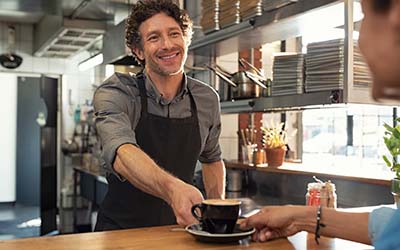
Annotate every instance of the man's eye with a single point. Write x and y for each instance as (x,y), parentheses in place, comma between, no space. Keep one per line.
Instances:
(381,6)
(175,34)
(153,38)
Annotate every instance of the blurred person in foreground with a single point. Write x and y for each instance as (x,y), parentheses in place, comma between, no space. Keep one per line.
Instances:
(379,41)
(155,125)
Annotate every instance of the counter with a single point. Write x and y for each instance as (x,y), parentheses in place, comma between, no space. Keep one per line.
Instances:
(165,238)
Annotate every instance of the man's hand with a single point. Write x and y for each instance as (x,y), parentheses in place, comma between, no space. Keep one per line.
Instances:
(273,222)
(182,198)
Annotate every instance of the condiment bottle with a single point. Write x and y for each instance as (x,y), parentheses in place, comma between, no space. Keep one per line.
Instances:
(313,195)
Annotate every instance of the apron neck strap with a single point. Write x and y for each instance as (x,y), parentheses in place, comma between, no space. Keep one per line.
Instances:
(143,95)
(143,92)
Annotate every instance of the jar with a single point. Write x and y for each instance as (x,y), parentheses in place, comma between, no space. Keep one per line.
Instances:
(319,193)
(261,156)
(313,195)
(328,195)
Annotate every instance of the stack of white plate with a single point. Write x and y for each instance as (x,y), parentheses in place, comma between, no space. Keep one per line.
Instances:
(325,65)
(288,72)
(250,8)
(210,15)
(229,13)
(362,75)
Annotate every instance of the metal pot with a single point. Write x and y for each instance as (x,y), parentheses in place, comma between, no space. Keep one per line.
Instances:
(246,88)
(244,84)
(234,180)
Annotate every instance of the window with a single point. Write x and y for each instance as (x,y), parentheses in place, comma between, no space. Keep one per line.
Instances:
(348,139)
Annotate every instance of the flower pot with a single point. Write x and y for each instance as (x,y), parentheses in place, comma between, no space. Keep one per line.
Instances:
(396,191)
(275,156)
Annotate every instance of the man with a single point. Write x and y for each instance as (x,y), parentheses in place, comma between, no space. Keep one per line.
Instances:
(155,125)
(380,43)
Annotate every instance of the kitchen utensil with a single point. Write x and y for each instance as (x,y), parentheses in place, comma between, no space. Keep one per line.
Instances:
(244,86)
(245,62)
(222,75)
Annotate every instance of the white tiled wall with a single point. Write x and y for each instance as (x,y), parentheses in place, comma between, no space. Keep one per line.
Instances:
(268,57)
(229,139)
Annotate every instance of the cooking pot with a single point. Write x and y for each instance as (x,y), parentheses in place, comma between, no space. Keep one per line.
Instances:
(244,84)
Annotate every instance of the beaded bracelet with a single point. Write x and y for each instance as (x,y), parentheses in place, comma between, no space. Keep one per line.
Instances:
(319,224)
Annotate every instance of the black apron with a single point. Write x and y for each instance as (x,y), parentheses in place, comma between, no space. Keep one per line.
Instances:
(174,144)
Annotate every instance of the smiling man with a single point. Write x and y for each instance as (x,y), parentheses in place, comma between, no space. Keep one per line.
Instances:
(154,126)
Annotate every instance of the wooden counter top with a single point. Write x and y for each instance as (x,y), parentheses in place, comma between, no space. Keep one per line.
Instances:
(159,238)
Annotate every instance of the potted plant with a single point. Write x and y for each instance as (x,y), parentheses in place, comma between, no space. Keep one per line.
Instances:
(392,142)
(274,140)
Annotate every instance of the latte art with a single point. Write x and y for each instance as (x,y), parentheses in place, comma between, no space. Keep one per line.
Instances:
(218,202)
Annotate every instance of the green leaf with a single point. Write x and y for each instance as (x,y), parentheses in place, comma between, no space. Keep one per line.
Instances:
(388,128)
(396,133)
(396,167)
(388,163)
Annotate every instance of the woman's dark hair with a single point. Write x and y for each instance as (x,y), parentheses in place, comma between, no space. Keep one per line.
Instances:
(145,9)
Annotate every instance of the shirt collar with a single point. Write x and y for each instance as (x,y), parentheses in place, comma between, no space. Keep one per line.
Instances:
(153,92)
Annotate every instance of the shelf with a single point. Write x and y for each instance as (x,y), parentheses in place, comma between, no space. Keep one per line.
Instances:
(282,103)
(315,170)
(289,21)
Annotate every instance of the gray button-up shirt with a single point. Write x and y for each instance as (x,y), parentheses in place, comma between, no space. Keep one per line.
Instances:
(117,109)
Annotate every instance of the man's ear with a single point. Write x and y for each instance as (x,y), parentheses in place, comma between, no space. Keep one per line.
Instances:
(139,53)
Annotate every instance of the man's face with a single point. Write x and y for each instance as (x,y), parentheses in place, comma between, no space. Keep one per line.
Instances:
(380,43)
(164,47)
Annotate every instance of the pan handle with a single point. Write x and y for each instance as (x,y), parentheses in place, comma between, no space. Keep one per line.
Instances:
(218,73)
(255,79)
(243,62)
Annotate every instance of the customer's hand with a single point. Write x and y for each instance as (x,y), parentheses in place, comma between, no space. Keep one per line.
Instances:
(182,198)
(273,222)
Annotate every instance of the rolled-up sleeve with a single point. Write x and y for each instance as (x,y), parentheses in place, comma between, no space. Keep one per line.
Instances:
(212,150)
(112,122)
(377,221)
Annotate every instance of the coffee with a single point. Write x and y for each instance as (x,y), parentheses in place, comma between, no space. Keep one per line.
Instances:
(217,216)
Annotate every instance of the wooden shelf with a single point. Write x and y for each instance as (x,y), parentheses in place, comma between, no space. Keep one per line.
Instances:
(302,169)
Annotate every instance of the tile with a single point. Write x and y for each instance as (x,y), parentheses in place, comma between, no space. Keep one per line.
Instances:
(229,125)
(12,216)
(56,66)
(27,63)
(229,148)
(2,32)
(40,65)
(25,47)
(7,215)
(27,32)
(7,236)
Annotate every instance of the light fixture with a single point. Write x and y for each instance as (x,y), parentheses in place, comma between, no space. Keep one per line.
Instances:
(91,62)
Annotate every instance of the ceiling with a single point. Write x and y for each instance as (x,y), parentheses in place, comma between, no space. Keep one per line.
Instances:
(64,27)
(31,11)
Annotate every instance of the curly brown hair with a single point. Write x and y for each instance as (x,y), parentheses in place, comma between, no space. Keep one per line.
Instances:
(145,9)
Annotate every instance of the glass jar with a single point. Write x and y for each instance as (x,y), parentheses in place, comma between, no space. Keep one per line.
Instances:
(319,193)
(329,193)
(313,195)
